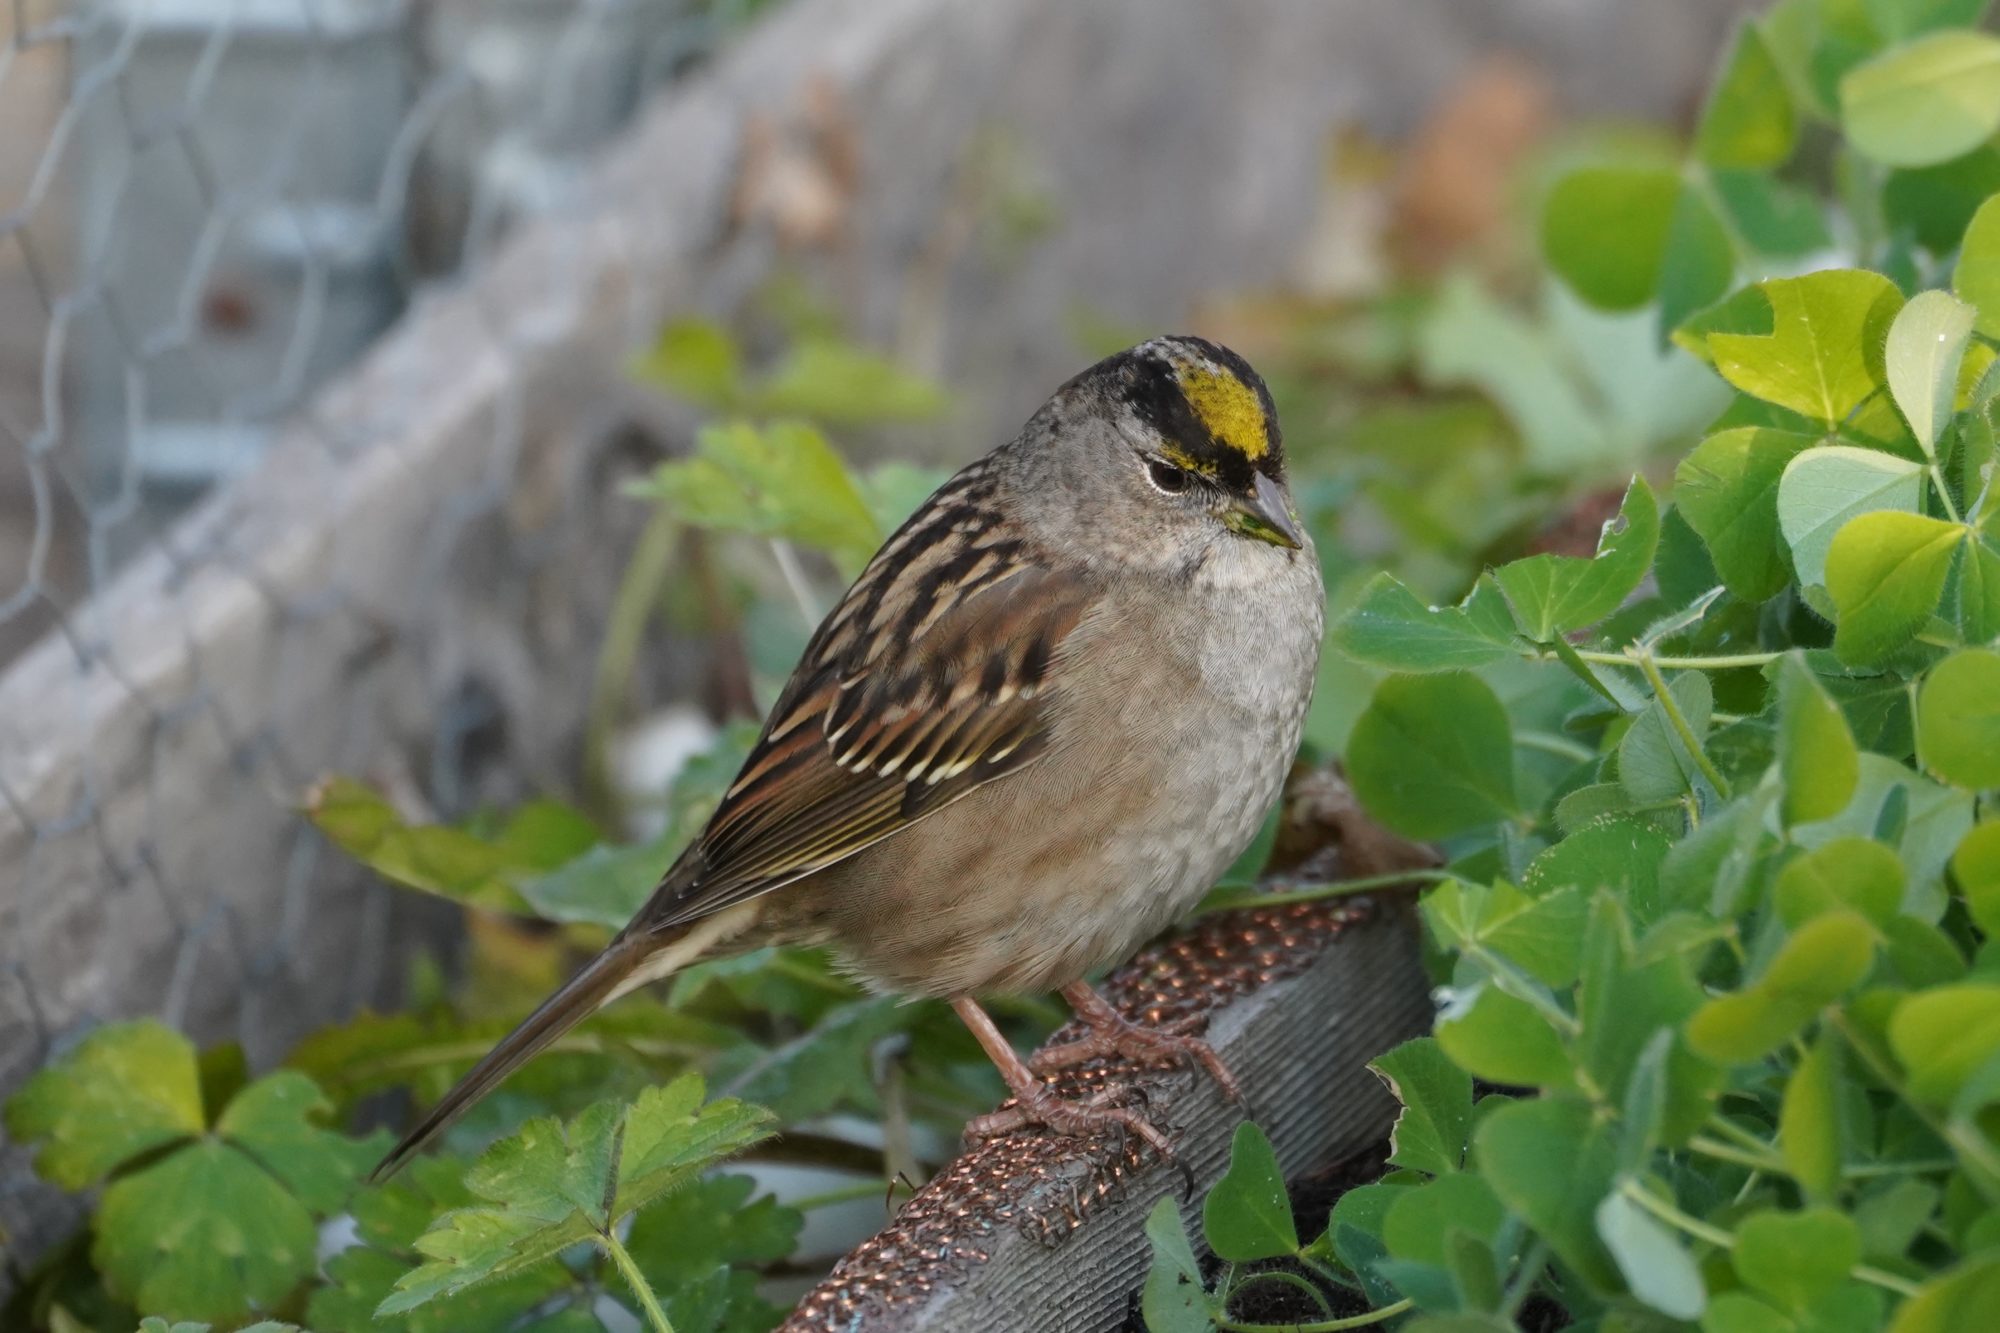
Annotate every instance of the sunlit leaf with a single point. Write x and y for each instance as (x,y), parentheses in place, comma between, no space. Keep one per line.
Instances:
(1926,101)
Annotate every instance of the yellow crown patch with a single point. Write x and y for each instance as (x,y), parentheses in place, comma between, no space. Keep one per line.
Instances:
(1231,409)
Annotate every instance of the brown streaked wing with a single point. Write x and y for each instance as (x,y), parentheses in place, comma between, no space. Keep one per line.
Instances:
(926,683)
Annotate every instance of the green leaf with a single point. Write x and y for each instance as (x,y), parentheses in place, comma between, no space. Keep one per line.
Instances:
(602,887)
(1773,218)
(1554,594)
(1795,1259)
(1247,1215)
(1976,867)
(1857,873)
(126,1089)
(819,1070)
(1656,1265)
(1654,761)
(1420,1221)
(1551,1162)
(203,1233)
(1817,757)
(453,862)
(1605,229)
(1898,20)
(1617,852)
(1699,264)
(1172,1300)
(1923,819)
(1926,101)
(1926,346)
(388,1220)
(1750,121)
(1727,489)
(696,359)
(1745,311)
(1978,611)
(275,1120)
(1503,1040)
(1977,278)
(1886,572)
(709,1236)
(1433,755)
(1626,1000)
(1389,627)
(1936,204)
(1960,1300)
(1942,1036)
(551,1185)
(1811,1131)
(1436,1096)
(1821,961)
(895,490)
(782,480)
(834,383)
(1824,353)
(1541,935)
(1958,719)
(1739,1312)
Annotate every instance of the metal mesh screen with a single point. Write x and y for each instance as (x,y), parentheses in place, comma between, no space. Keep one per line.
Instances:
(208,209)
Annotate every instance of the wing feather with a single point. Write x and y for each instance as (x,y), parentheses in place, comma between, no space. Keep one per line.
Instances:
(923,685)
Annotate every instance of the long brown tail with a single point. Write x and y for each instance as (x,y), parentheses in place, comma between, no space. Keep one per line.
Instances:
(585,993)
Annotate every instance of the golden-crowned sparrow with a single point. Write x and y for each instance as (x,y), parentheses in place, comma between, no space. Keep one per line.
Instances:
(1053,708)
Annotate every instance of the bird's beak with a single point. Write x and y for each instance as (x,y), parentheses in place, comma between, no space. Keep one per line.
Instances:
(1263,514)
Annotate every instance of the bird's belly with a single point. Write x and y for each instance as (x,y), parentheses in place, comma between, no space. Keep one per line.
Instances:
(1000,895)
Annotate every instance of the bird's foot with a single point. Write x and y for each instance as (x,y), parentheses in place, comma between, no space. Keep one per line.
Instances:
(1035,1104)
(1111,1033)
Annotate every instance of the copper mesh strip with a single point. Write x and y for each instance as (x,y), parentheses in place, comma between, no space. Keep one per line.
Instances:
(947,1259)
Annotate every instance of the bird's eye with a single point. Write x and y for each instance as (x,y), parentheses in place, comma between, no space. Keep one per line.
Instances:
(1166,476)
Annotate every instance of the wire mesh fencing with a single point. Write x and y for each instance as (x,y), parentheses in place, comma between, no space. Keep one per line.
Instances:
(209,209)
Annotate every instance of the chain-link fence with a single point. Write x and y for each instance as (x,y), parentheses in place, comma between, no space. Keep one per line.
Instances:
(313,315)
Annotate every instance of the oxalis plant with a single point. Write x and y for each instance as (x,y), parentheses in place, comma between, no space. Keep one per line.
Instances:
(1719,1044)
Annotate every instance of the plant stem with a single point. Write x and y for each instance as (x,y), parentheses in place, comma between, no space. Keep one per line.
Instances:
(796,581)
(1943,493)
(649,1304)
(1743,1138)
(1387,1312)
(1525,1278)
(1321,892)
(1674,1217)
(631,609)
(1983,1170)
(864,1189)
(1651,666)
(1288,1279)
(1725,1240)
(1724,1152)
(1725,663)
(1871,1170)
(1560,746)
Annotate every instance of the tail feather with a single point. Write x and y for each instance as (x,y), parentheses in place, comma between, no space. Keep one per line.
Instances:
(589,990)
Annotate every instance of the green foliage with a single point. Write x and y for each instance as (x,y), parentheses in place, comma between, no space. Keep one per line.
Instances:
(553,1185)
(209,1212)
(1925,101)
(1719,805)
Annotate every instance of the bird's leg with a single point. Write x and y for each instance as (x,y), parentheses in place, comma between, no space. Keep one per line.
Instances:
(1035,1104)
(1111,1033)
